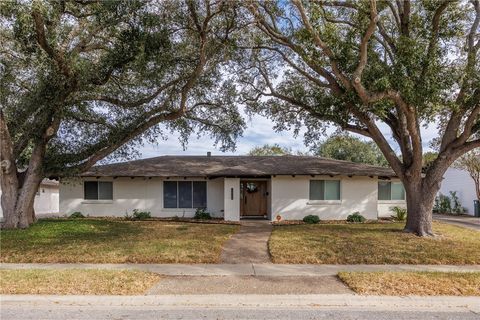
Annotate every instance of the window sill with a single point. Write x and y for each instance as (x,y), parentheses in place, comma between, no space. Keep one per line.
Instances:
(391,201)
(97,201)
(324,202)
(180,209)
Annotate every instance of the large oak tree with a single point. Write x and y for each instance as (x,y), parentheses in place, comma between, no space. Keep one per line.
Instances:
(85,79)
(375,68)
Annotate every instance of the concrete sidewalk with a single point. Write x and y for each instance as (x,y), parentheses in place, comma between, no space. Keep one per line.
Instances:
(248,269)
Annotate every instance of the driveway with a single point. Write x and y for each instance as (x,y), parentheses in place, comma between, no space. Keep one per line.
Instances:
(462,221)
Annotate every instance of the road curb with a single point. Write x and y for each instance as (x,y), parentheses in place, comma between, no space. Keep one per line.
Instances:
(316,301)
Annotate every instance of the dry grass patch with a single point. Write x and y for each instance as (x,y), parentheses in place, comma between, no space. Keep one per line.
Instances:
(373,243)
(413,283)
(77,282)
(114,241)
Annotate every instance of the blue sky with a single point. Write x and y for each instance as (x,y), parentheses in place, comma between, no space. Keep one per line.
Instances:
(259,131)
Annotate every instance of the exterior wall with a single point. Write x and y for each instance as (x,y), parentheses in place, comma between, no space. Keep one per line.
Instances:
(46,201)
(232,206)
(138,193)
(461,182)
(290,198)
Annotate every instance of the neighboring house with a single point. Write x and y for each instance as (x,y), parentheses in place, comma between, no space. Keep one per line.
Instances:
(234,187)
(461,182)
(46,199)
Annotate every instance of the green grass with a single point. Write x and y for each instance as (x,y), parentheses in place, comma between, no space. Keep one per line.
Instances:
(114,241)
(78,282)
(413,283)
(373,243)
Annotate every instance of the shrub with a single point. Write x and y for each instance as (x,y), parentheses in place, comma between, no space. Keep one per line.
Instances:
(399,213)
(456,205)
(138,215)
(356,217)
(442,204)
(76,215)
(202,214)
(312,219)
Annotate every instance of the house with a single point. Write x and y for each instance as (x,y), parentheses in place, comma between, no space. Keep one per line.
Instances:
(461,182)
(46,199)
(234,187)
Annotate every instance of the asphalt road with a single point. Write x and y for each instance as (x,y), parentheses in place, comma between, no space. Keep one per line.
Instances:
(238,306)
(343,313)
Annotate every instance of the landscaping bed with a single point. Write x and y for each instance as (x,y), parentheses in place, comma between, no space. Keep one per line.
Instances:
(76,282)
(413,283)
(372,243)
(114,241)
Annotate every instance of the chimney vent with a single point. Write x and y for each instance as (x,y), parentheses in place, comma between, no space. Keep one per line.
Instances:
(209,154)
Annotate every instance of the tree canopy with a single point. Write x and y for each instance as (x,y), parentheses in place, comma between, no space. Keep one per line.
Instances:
(375,68)
(349,148)
(270,150)
(100,75)
(85,80)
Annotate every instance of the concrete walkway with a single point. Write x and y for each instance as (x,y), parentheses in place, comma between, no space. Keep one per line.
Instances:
(462,221)
(249,245)
(245,269)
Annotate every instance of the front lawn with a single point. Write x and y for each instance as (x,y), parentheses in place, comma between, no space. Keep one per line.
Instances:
(78,282)
(373,243)
(413,283)
(114,241)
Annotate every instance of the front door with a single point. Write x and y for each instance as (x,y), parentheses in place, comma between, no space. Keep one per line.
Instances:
(253,198)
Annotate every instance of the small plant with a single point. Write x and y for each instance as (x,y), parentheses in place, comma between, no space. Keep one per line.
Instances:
(137,215)
(442,204)
(456,205)
(76,215)
(356,217)
(202,214)
(311,219)
(399,213)
(141,215)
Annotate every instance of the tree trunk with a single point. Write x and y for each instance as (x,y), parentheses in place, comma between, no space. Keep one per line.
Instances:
(8,177)
(18,204)
(420,199)
(18,188)
(9,198)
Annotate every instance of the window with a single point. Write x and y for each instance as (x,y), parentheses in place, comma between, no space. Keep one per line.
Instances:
(388,190)
(184,194)
(98,190)
(324,190)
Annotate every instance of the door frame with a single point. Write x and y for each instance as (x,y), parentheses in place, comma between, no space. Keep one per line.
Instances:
(263,209)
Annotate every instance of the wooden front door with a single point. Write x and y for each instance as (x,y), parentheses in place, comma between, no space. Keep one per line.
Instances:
(253,198)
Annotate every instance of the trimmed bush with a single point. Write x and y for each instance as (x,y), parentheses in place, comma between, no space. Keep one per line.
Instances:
(138,215)
(399,213)
(76,215)
(202,214)
(311,219)
(356,217)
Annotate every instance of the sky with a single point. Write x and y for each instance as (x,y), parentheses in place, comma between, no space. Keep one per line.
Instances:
(259,131)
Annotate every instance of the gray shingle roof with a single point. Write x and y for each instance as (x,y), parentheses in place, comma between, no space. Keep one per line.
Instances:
(235,166)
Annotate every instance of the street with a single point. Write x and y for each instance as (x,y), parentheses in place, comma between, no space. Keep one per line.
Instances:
(340,306)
